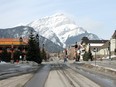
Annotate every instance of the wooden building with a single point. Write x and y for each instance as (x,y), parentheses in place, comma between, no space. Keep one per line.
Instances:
(13,44)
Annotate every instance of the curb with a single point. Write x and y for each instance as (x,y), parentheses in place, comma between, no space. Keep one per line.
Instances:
(101,68)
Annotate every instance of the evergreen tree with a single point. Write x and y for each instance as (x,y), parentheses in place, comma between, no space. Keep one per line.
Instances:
(5,56)
(88,55)
(85,56)
(39,52)
(32,49)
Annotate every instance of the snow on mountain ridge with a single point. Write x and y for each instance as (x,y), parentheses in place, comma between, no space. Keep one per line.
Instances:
(52,21)
(58,28)
(47,26)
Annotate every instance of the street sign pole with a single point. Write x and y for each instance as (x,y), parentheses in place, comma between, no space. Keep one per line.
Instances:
(95,50)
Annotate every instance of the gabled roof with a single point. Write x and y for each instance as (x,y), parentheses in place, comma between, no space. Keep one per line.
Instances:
(114,35)
(98,41)
(86,40)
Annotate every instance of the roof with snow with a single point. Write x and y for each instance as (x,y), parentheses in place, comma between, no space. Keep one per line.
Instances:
(98,41)
(86,40)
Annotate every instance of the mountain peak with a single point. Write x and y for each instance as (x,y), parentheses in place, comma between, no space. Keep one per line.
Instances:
(59,14)
(58,28)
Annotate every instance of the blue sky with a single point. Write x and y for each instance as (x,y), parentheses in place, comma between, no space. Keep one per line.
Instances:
(96,16)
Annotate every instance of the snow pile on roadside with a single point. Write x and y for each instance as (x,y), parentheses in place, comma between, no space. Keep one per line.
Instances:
(2,62)
(32,63)
(101,68)
(113,56)
(24,66)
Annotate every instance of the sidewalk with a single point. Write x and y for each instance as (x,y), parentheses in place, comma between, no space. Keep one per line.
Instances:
(104,63)
(105,66)
(108,66)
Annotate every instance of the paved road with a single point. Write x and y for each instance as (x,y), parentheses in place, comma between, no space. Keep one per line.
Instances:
(40,77)
(65,73)
(62,74)
(102,79)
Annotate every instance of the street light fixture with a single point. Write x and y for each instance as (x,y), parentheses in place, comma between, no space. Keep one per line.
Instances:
(21,40)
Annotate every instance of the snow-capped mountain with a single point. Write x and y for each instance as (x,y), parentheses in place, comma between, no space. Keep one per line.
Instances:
(24,31)
(60,29)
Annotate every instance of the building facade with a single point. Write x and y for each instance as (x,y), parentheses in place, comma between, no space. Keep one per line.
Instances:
(113,44)
(94,45)
(11,45)
(104,48)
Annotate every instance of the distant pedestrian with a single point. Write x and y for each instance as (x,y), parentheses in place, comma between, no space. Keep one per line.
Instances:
(65,59)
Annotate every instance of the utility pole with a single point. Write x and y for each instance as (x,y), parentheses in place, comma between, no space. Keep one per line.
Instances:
(109,53)
(76,51)
(109,50)
(95,50)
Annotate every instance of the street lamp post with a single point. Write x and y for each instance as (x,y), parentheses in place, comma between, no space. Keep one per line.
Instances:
(21,40)
(12,50)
